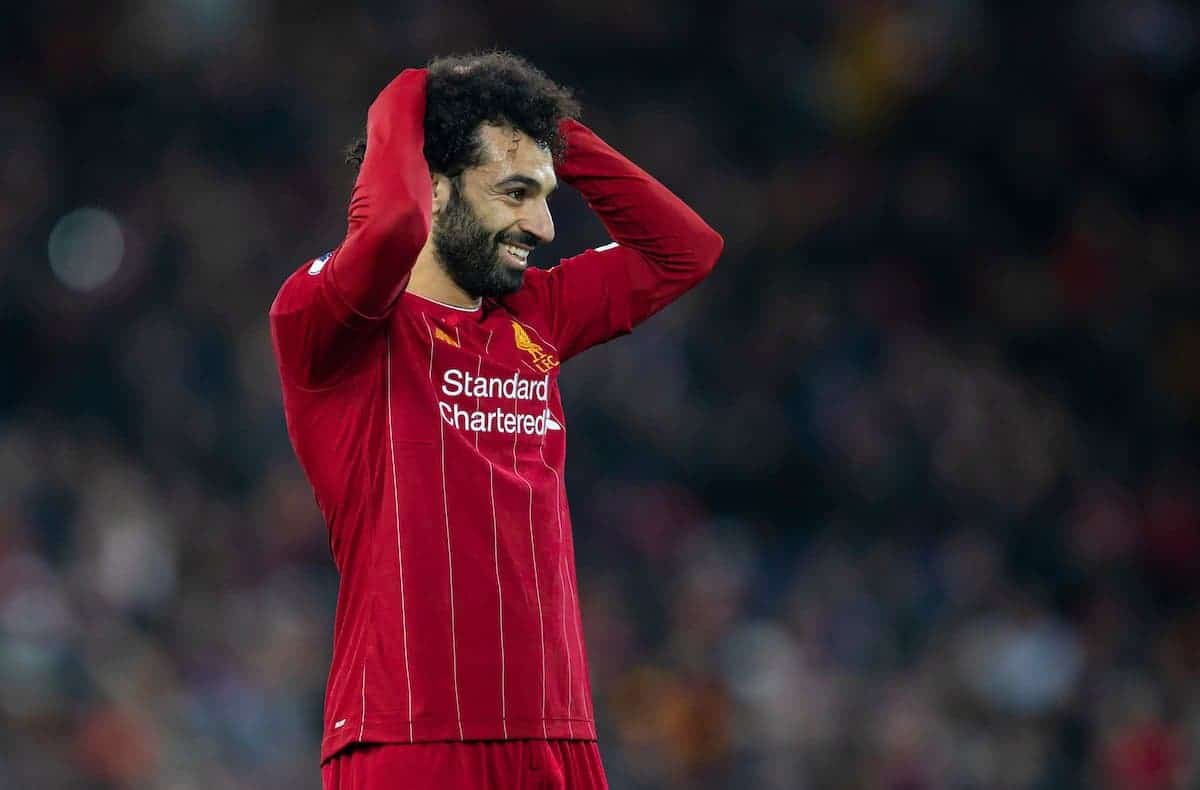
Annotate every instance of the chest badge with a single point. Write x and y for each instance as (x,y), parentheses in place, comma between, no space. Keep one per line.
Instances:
(543,361)
(445,338)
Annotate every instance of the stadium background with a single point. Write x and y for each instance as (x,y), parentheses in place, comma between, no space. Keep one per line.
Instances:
(905,496)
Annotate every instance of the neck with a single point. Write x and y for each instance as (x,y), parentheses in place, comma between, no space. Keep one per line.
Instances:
(429,279)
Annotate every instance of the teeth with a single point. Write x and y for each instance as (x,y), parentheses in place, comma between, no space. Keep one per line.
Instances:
(517,252)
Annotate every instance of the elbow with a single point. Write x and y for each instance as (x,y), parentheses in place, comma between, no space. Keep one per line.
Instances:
(708,245)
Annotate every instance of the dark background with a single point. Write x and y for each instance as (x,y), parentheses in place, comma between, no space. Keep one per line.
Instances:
(905,496)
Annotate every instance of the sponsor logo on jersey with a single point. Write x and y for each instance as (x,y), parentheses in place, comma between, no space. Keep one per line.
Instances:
(515,388)
(498,420)
(542,361)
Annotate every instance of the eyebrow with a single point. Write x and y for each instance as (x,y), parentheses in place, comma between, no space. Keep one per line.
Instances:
(532,183)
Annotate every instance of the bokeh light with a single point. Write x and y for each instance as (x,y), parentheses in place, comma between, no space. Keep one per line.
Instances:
(86,247)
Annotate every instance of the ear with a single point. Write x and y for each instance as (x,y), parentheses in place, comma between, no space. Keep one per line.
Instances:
(440,185)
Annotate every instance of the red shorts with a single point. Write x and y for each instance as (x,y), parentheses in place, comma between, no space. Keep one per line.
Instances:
(473,765)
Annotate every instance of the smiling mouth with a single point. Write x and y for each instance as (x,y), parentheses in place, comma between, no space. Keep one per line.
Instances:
(514,256)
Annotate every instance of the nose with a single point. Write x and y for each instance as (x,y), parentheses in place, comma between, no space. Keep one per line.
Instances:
(539,222)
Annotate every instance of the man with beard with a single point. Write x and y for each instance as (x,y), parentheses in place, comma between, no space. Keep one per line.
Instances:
(419,363)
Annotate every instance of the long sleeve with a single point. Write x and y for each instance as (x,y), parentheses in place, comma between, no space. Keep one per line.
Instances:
(325,311)
(662,248)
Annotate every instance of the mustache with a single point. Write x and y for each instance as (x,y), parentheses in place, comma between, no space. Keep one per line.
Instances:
(519,237)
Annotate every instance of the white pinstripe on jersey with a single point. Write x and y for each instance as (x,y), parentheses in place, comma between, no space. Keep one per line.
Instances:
(536,586)
(561,577)
(449,550)
(396,503)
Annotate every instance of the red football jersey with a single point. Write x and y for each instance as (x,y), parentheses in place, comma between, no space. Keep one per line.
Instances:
(434,438)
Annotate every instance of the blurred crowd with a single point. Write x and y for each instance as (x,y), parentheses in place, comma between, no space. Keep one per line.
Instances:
(905,497)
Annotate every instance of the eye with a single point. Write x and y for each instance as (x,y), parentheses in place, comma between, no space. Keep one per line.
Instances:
(516,194)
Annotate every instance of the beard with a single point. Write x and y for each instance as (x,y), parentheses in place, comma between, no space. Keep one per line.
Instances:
(470,253)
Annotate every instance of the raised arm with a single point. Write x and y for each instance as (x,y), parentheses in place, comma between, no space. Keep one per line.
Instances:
(325,310)
(662,247)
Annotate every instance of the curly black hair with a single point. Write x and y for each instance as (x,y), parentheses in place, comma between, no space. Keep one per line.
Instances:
(465,91)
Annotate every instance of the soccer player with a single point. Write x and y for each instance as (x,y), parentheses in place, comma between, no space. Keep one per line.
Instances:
(420,362)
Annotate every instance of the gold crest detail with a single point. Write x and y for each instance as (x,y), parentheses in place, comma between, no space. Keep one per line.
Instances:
(440,335)
(538,357)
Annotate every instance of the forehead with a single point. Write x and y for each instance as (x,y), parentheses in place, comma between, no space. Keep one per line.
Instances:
(508,152)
